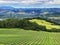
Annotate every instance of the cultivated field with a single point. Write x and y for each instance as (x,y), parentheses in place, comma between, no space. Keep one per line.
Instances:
(24,37)
(45,23)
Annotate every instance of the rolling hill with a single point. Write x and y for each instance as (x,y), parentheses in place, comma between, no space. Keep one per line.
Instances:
(47,24)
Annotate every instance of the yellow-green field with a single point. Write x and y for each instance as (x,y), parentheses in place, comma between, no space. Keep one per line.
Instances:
(45,23)
(24,37)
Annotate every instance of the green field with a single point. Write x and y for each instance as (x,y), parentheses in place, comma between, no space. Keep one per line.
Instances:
(47,24)
(24,37)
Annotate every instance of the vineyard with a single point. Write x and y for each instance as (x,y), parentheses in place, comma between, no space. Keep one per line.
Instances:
(24,37)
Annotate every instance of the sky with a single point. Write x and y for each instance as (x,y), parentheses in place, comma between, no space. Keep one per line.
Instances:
(31,3)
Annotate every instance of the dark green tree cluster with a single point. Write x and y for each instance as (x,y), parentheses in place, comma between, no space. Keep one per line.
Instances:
(23,24)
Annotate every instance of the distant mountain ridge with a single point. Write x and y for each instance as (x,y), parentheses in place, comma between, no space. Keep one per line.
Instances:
(47,13)
(38,10)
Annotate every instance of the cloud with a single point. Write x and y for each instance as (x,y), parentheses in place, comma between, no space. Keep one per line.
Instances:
(28,2)
(53,2)
(7,2)
(25,1)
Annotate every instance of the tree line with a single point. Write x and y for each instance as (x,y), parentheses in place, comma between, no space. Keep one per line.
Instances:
(23,24)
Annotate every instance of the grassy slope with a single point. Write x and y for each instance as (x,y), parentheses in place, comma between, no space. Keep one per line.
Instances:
(45,23)
(24,37)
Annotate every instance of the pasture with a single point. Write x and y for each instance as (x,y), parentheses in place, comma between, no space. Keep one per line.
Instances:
(16,36)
